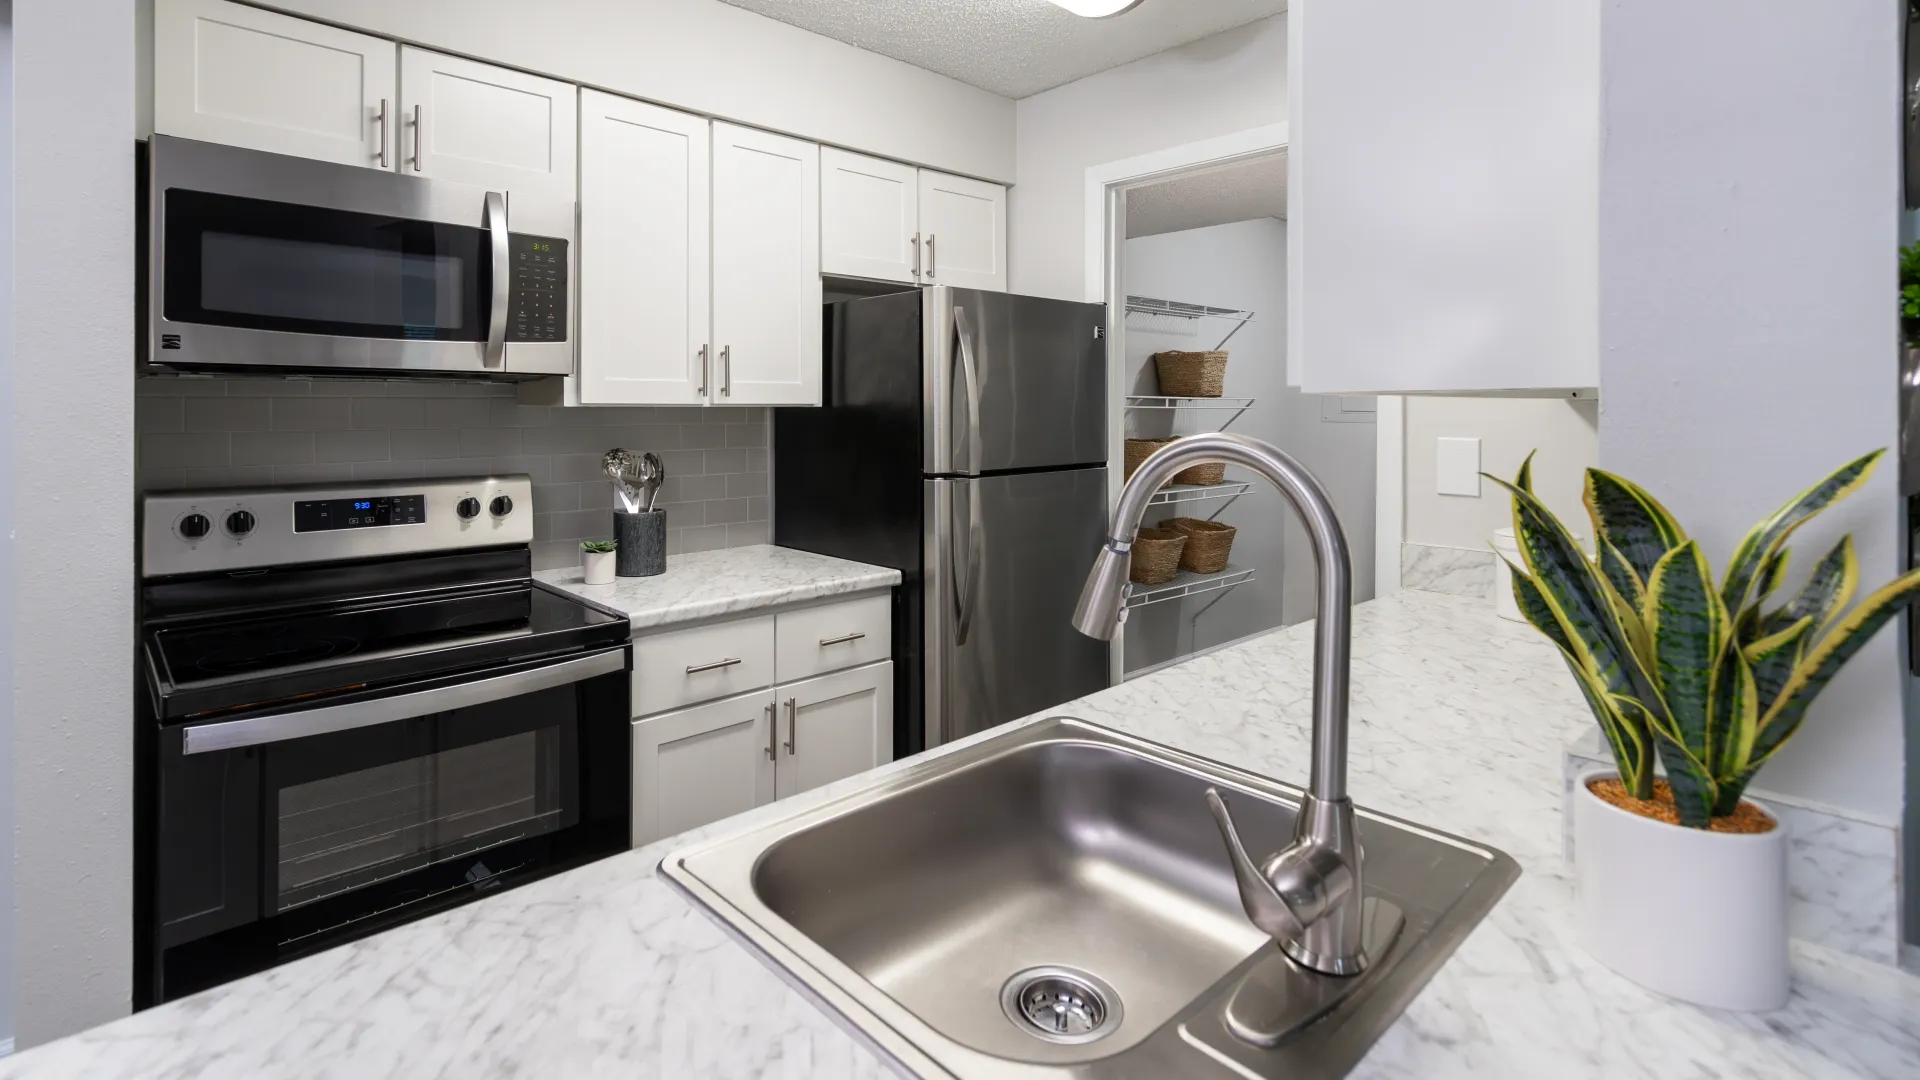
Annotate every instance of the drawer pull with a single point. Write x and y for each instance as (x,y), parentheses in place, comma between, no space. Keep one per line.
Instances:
(715,666)
(842,640)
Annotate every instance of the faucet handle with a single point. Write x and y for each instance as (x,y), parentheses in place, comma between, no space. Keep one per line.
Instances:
(1264,904)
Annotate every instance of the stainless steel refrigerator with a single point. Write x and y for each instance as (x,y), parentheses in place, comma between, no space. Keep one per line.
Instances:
(963,441)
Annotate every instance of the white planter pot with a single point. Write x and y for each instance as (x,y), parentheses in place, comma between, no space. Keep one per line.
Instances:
(1695,915)
(596,567)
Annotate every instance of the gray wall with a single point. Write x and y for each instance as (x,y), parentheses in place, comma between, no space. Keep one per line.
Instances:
(1242,265)
(1747,324)
(6,521)
(214,432)
(73,515)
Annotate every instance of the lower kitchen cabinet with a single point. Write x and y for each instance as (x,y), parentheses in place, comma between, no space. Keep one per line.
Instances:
(698,765)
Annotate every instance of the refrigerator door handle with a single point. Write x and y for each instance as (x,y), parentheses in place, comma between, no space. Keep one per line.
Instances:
(970,373)
(967,591)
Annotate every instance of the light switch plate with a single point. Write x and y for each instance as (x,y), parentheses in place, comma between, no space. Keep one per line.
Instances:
(1457,467)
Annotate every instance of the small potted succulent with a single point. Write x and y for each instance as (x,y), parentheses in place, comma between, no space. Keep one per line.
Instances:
(1682,881)
(596,561)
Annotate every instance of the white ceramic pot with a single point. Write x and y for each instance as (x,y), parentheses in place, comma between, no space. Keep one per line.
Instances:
(1695,915)
(596,567)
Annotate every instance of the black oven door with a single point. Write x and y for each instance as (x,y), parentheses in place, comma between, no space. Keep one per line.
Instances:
(289,831)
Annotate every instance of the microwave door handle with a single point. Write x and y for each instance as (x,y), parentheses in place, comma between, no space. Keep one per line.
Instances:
(263,730)
(502,270)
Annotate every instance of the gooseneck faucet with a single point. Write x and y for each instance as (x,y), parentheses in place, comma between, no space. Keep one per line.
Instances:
(1307,896)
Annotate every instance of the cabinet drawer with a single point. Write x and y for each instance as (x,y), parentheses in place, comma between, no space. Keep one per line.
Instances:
(680,667)
(834,636)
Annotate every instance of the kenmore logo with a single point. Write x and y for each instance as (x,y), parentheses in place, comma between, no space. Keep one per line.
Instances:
(170,341)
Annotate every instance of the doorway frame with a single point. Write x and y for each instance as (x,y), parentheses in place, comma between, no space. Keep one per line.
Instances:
(1103,281)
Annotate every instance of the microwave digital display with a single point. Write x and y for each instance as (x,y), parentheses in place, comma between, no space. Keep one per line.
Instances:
(325,515)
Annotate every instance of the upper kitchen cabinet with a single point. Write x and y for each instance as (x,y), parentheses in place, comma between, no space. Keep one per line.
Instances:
(869,217)
(644,254)
(488,126)
(963,230)
(241,76)
(766,269)
(1443,203)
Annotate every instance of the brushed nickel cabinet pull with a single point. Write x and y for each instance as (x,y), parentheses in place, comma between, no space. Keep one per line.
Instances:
(772,725)
(930,258)
(842,640)
(416,138)
(793,726)
(703,372)
(715,666)
(383,132)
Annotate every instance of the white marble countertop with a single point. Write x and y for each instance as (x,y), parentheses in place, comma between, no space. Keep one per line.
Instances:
(1459,720)
(706,584)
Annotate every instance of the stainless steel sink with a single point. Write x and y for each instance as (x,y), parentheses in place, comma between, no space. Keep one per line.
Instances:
(1057,901)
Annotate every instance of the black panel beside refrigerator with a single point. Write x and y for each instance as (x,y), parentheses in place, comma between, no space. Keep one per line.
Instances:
(962,441)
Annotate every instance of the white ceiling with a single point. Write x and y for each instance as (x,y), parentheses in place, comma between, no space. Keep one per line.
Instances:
(1253,189)
(1012,47)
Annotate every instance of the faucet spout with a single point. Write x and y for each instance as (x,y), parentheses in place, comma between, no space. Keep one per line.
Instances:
(1308,895)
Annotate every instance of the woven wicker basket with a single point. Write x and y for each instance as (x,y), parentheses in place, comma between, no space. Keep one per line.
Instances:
(1192,374)
(1208,544)
(1156,555)
(1138,450)
(1215,473)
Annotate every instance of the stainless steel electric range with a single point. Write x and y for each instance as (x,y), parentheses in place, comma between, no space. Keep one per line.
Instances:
(359,709)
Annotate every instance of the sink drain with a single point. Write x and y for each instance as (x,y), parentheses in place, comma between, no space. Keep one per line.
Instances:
(1060,1004)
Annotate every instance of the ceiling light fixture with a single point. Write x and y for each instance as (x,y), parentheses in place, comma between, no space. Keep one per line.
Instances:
(1097,9)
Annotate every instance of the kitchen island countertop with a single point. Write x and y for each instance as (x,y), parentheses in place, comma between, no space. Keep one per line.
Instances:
(731,581)
(1459,719)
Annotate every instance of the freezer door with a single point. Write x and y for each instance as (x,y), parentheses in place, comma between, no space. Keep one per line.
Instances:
(1012,382)
(1006,556)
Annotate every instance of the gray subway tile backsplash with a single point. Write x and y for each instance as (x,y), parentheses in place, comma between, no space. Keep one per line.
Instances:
(198,432)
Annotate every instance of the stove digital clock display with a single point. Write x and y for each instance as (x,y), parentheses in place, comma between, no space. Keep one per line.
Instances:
(326,515)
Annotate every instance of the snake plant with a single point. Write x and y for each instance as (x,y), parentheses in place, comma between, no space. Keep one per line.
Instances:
(1713,679)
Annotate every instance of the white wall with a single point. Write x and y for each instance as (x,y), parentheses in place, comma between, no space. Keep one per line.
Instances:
(1216,86)
(1563,431)
(73,484)
(1747,257)
(6,522)
(1242,265)
(708,57)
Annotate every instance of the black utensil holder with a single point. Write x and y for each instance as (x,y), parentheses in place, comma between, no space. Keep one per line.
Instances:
(643,543)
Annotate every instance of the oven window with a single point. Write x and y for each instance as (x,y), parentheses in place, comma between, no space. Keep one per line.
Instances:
(351,830)
(264,265)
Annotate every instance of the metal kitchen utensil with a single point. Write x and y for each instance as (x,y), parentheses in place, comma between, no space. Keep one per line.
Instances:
(619,467)
(653,473)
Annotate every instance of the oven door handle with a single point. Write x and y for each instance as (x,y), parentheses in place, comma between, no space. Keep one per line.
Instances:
(263,730)
(502,270)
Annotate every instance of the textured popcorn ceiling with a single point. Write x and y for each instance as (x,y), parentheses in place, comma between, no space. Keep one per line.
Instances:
(1255,189)
(1012,47)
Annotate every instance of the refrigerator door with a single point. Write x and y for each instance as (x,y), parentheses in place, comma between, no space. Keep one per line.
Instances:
(1012,382)
(1006,556)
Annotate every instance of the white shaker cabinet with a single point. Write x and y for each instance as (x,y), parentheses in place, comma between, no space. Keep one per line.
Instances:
(1443,196)
(963,232)
(833,727)
(869,217)
(645,307)
(240,76)
(488,126)
(702,764)
(766,269)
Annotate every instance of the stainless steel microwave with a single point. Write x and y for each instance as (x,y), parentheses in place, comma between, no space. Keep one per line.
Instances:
(260,261)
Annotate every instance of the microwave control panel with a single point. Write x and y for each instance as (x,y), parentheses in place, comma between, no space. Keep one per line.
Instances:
(537,296)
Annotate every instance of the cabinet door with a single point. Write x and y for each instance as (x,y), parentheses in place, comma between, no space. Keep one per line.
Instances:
(766,268)
(698,765)
(963,232)
(869,217)
(1443,221)
(835,726)
(223,73)
(644,300)
(487,126)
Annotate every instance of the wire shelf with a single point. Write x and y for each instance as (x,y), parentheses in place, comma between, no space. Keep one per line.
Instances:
(1187,583)
(1147,305)
(1235,404)
(1179,493)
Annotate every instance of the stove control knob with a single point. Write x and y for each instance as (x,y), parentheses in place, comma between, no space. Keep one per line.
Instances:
(239,523)
(195,526)
(501,506)
(468,509)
